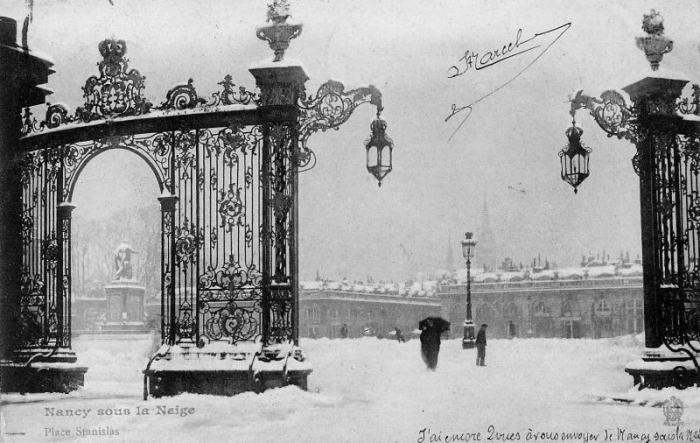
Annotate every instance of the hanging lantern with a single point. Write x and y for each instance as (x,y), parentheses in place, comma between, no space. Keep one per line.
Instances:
(379,148)
(574,158)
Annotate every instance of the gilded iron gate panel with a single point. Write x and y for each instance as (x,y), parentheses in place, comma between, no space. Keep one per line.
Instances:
(280,180)
(677,196)
(217,234)
(42,255)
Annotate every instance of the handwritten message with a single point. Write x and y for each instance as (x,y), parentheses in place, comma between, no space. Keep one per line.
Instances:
(495,434)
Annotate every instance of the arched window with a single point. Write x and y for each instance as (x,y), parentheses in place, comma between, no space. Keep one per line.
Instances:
(540,309)
(510,312)
(634,316)
(567,309)
(484,311)
(603,307)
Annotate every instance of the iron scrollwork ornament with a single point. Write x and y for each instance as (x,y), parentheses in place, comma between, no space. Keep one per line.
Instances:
(182,97)
(329,109)
(611,112)
(117,91)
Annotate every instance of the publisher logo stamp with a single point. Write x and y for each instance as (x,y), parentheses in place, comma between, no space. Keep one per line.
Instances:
(673,410)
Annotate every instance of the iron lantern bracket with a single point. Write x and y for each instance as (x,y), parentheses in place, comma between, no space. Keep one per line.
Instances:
(610,112)
(331,107)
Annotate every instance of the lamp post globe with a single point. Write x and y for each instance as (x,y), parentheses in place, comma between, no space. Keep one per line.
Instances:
(468,246)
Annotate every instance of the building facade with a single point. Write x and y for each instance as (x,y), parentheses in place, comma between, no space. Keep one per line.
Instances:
(323,312)
(586,308)
(576,308)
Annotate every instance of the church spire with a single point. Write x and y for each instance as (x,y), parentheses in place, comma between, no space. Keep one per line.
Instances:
(449,259)
(487,253)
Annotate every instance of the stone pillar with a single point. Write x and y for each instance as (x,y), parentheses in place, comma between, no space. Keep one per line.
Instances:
(21,71)
(281,85)
(655,98)
(25,370)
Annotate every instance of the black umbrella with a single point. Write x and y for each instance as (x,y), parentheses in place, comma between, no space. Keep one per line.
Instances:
(436,323)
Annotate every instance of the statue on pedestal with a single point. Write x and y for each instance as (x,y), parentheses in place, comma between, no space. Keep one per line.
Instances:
(122,261)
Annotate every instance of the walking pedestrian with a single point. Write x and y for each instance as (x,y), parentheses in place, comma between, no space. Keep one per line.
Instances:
(481,346)
(511,329)
(399,335)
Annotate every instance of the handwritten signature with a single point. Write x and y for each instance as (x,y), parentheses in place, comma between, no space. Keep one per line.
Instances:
(473,59)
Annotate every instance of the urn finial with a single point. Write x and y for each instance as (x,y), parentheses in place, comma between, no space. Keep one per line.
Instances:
(655,44)
(279,33)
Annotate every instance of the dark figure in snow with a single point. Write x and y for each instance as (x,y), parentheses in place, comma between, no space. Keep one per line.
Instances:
(431,329)
(481,346)
(511,329)
(344,331)
(399,336)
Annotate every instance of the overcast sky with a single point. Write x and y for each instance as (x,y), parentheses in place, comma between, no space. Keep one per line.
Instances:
(505,152)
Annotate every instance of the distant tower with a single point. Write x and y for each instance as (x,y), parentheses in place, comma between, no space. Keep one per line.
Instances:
(486,250)
(449,259)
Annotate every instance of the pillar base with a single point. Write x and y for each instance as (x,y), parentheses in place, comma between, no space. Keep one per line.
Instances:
(661,368)
(468,344)
(58,372)
(223,369)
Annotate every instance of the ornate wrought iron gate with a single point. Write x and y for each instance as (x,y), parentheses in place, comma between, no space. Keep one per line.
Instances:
(663,125)
(227,169)
(208,164)
(228,174)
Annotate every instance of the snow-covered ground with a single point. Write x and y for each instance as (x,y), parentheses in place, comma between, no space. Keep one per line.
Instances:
(371,390)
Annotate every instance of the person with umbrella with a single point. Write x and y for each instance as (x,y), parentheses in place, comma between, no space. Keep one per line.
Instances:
(431,329)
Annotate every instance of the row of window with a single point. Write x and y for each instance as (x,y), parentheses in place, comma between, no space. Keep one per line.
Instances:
(631,308)
(315,313)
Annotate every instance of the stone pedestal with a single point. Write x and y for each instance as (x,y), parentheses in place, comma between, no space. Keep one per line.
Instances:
(124,310)
(225,369)
(661,368)
(42,370)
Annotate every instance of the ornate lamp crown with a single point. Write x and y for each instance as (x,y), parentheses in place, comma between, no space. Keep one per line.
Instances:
(655,44)
(279,34)
(468,245)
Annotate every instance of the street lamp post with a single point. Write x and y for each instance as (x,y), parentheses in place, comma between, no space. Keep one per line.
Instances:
(663,125)
(468,246)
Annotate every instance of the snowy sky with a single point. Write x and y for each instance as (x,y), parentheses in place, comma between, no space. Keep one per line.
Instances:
(506,151)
